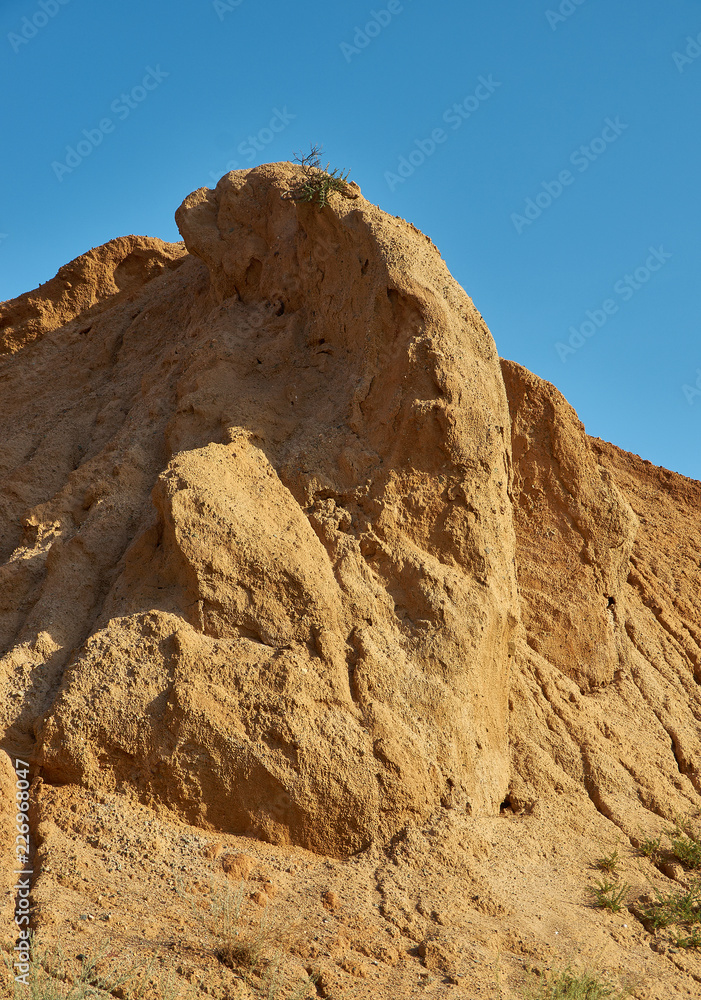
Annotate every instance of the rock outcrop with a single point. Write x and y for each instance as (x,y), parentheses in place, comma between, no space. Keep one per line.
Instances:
(259,543)
(287,554)
(606,697)
(92,282)
(261,537)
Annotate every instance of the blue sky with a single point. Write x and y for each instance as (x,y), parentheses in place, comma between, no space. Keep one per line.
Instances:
(549,149)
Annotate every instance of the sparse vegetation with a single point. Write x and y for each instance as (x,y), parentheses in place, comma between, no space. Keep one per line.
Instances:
(101,975)
(243,942)
(273,986)
(251,946)
(681,907)
(609,895)
(318,183)
(609,862)
(692,940)
(104,974)
(570,985)
(651,848)
(686,843)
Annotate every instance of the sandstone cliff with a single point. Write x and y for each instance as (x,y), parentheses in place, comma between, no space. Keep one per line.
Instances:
(269,579)
(288,554)
(606,696)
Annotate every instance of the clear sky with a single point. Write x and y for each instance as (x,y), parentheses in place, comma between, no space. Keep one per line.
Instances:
(549,148)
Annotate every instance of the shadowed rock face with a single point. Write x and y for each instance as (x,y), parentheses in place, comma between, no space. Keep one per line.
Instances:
(575,533)
(606,692)
(259,547)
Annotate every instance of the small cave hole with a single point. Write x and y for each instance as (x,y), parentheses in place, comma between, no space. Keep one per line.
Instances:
(280,309)
(253,273)
(506,805)
(611,602)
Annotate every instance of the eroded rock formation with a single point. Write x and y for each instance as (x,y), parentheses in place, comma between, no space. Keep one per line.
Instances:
(269,578)
(261,538)
(606,695)
(287,553)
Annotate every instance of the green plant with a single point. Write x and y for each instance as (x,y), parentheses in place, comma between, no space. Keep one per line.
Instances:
(651,848)
(609,862)
(318,183)
(253,945)
(609,895)
(569,985)
(692,940)
(674,908)
(686,843)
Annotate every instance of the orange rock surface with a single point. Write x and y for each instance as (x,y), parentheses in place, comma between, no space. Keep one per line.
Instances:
(294,570)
